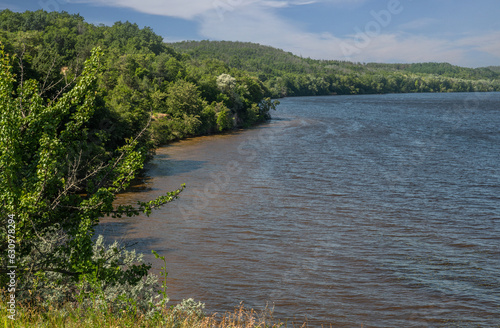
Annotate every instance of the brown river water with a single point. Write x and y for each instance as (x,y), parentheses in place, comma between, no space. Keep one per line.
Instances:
(373,211)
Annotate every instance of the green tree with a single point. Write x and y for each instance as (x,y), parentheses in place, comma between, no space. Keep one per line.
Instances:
(56,183)
(183,97)
(224,120)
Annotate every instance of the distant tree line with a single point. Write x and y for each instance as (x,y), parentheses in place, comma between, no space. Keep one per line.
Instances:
(285,74)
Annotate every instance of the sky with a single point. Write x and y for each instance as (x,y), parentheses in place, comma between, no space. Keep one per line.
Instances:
(460,32)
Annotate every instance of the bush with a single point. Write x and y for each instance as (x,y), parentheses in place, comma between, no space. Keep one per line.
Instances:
(224,120)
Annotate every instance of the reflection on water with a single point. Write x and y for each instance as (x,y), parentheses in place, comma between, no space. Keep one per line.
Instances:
(367,210)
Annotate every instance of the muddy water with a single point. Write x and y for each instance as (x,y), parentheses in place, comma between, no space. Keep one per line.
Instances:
(381,211)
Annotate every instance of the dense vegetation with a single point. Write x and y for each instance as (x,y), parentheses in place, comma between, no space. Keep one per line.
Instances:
(494,68)
(81,109)
(142,75)
(285,74)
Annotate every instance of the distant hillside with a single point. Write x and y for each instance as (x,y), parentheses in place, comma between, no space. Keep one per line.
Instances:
(494,68)
(286,74)
(255,57)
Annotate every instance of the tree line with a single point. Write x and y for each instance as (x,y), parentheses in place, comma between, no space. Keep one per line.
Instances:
(286,74)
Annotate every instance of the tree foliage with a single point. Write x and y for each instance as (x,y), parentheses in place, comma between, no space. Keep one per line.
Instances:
(285,74)
(57,180)
(141,74)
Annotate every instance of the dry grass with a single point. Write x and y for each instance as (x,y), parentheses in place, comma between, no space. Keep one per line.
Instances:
(246,318)
(77,318)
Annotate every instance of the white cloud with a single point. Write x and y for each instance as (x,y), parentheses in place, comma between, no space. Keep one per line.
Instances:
(189,9)
(173,8)
(259,24)
(418,24)
(394,48)
(259,21)
(487,42)
(252,23)
(265,27)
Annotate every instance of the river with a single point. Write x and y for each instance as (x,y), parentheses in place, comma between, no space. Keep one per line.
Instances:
(376,210)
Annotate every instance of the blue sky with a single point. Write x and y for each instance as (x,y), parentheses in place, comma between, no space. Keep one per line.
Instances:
(460,32)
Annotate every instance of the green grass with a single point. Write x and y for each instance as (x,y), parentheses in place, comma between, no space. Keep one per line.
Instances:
(75,317)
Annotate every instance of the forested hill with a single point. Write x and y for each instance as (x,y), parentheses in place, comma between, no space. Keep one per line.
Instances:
(286,74)
(494,68)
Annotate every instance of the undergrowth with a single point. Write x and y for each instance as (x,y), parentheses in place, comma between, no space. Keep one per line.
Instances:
(188,314)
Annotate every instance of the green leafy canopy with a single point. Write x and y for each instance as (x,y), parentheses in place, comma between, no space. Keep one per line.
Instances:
(57,185)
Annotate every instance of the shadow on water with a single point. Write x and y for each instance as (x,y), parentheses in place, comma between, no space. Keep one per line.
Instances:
(113,227)
(160,167)
(139,184)
(165,166)
(285,119)
(121,230)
